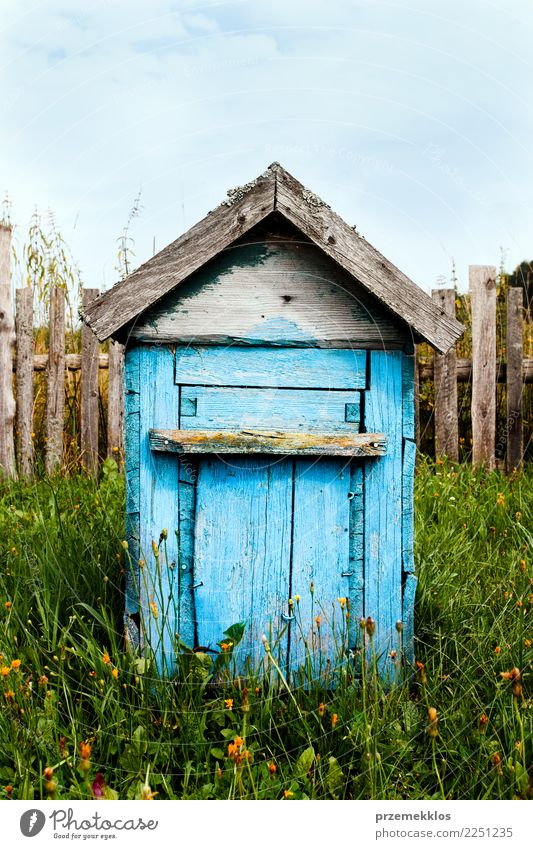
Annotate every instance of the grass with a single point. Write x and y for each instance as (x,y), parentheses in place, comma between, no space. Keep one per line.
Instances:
(83,717)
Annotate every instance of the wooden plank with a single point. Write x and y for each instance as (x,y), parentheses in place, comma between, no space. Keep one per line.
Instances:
(307,410)
(242,552)
(267,442)
(55,382)
(514,426)
(115,401)
(89,392)
(357,256)
(276,190)
(357,551)
(159,507)
(321,500)
(7,339)
(464,371)
(281,293)
(408,511)
(188,475)
(483,300)
(181,258)
(408,395)
(383,505)
(24,367)
(445,412)
(408,618)
(267,367)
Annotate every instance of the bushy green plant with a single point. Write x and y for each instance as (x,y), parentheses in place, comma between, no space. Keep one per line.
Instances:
(85,716)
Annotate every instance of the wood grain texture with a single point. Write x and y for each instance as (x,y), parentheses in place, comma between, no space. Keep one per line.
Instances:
(356,567)
(305,410)
(268,367)
(408,395)
(267,442)
(159,508)
(367,265)
(7,339)
(445,376)
(276,190)
(321,501)
(55,382)
(281,293)
(482,280)
(128,298)
(24,367)
(89,392)
(408,618)
(242,552)
(408,517)
(115,402)
(383,505)
(514,346)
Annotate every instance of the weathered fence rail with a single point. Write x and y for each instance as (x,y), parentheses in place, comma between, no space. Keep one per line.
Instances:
(20,366)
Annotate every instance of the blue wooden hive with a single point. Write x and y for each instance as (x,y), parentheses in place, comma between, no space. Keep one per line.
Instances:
(269,410)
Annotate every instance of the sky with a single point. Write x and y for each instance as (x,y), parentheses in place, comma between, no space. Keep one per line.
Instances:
(411,118)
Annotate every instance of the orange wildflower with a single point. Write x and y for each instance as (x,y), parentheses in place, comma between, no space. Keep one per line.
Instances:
(229,703)
(272,768)
(9,604)
(321,709)
(497,650)
(514,677)
(433,723)
(5,670)
(85,751)
(334,720)
(106,659)
(114,673)
(15,664)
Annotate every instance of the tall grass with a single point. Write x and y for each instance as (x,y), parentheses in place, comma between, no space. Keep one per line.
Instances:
(83,716)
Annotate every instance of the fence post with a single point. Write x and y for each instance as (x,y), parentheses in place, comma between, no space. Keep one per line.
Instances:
(483,300)
(24,362)
(445,382)
(7,338)
(89,391)
(55,382)
(514,428)
(115,402)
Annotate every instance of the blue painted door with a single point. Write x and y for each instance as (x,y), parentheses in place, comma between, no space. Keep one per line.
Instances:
(271,531)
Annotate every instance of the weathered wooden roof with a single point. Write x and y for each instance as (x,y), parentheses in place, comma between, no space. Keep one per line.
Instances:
(274,191)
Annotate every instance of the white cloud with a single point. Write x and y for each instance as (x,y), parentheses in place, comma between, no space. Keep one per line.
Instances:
(413,122)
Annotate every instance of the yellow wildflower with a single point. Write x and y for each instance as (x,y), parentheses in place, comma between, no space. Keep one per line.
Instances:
(287,794)
(15,664)
(433,723)
(334,720)
(114,673)
(500,501)
(321,709)
(5,670)
(342,602)
(229,703)
(106,659)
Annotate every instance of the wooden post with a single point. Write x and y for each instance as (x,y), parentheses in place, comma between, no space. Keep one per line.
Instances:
(115,403)
(514,427)
(445,377)
(483,299)
(7,338)
(89,391)
(55,382)
(24,361)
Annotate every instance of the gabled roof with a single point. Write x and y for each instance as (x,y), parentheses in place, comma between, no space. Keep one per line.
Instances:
(274,191)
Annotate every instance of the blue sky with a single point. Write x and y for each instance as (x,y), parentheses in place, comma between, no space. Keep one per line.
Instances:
(412,118)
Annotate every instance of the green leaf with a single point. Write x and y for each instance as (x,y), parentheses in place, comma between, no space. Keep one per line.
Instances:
(236,632)
(334,778)
(217,753)
(304,762)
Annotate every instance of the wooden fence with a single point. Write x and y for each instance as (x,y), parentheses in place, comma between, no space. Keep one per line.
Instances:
(18,358)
